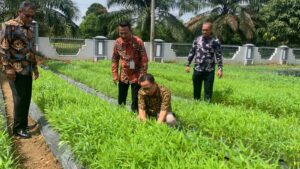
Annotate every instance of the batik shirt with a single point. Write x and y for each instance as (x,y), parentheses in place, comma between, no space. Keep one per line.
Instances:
(133,57)
(152,105)
(17,44)
(205,51)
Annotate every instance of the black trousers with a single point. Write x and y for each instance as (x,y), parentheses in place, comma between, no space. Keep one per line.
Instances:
(123,91)
(208,79)
(21,91)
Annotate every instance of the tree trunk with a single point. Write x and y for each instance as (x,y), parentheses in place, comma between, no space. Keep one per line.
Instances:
(152,31)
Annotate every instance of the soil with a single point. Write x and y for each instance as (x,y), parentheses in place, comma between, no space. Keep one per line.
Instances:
(32,153)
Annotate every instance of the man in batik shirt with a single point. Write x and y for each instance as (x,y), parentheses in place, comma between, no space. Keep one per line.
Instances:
(205,50)
(19,63)
(155,101)
(130,51)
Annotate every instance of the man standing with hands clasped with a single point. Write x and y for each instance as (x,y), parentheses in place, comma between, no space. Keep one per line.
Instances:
(206,50)
(19,63)
(130,51)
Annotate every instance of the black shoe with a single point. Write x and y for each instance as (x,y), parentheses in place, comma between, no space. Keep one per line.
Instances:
(22,133)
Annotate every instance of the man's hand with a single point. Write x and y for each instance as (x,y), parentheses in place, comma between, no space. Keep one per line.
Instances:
(116,81)
(143,119)
(142,115)
(36,75)
(220,73)
(161,117)
(10,74)
(187,69)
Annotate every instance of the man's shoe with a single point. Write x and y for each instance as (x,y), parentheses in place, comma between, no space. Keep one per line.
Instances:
(22,133)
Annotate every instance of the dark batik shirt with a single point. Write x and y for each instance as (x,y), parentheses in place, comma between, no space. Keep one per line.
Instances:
(152,105)
(206,52)
(17,45)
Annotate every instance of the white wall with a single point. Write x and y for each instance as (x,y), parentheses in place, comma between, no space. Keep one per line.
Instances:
(87,51)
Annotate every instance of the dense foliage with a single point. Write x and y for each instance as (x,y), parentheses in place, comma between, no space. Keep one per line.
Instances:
(105,136)
(246,105)
(92,24)
(7,160)
(55,18)
(280,23)
(262,22)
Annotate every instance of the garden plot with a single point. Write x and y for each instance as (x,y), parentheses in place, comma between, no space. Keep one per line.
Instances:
(265,134)
(105,136)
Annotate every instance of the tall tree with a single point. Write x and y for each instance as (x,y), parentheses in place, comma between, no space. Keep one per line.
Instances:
(53,16)
(93,24)
(281,25)
(138,11)
(97,9)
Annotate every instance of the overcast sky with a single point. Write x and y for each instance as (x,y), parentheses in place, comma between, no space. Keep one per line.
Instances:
(84,4)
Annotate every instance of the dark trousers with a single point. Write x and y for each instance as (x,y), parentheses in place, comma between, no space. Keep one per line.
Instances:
(123,91)
(21,91)
(208,79)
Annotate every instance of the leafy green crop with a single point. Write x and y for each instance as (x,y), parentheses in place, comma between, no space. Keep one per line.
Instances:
(7,160)
(272,138)
(254,87)
(262,133)
(105,136)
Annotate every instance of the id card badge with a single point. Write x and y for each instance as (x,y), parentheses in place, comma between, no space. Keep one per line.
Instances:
(131,64)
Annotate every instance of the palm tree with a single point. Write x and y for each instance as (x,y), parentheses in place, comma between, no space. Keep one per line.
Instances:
(53,16)
(138,12)
(229,17)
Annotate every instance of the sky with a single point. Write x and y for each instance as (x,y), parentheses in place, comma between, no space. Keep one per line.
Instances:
(84,4)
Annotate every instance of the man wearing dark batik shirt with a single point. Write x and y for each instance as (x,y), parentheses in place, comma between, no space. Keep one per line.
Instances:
(206,51)
(19,63)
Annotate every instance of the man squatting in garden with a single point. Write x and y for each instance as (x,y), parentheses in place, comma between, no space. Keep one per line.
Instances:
(19,63)
(134,61)
(154,101)
(205,50)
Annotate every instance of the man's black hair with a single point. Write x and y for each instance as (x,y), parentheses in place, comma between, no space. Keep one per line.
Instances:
(125,24)
(26,5)
(147,77)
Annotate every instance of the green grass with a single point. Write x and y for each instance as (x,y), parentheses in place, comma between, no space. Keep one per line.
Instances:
(105,136)
(254,87)
(263,134)
(101,73)
(7,160)
(232,123)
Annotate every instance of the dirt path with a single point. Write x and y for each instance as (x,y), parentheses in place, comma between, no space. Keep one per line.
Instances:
(33,153)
